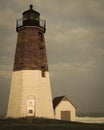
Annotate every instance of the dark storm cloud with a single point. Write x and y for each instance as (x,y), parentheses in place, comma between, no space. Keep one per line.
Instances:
(75,47)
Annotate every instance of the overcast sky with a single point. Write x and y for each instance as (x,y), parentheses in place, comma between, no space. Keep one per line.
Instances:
(75,49)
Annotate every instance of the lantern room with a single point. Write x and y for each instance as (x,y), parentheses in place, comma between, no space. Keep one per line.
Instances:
(31,18)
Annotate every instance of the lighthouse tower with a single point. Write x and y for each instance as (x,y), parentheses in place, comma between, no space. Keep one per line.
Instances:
(30,92)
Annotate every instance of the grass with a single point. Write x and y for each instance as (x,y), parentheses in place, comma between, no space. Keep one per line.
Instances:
(45,124)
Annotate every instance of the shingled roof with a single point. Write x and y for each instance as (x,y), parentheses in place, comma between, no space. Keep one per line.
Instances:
(57,100)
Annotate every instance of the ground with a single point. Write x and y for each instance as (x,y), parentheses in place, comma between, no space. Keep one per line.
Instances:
(45,124)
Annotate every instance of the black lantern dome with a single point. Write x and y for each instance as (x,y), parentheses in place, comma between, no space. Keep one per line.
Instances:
(31,17)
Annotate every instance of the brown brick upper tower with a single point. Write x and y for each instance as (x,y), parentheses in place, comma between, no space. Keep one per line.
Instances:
(30,50)
(30,92)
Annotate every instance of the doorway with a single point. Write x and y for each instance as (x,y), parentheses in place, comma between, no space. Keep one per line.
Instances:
(30,107)
(65,115)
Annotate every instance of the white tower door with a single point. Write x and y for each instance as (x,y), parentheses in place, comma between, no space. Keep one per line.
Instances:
(30,107)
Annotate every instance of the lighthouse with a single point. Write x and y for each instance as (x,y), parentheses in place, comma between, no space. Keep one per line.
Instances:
(30,91)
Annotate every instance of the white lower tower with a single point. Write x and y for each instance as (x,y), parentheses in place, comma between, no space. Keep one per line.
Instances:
(30,92)
(30,95)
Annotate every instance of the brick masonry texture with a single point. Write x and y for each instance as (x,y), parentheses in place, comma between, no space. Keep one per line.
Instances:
(30,50)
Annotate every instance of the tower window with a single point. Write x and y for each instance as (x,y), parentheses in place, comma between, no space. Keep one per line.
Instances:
(40,36)
(43,71)
(30,111)
(41,52)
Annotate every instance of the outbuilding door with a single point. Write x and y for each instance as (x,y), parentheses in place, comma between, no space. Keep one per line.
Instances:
(65,115)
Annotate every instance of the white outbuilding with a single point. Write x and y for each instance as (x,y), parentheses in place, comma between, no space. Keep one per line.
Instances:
(64,109)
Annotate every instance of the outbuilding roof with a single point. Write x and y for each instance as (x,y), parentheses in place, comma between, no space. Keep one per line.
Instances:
(57,100)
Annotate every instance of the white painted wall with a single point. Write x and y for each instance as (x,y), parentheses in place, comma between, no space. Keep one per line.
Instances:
(65,106)
(27,84)
(14,104)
